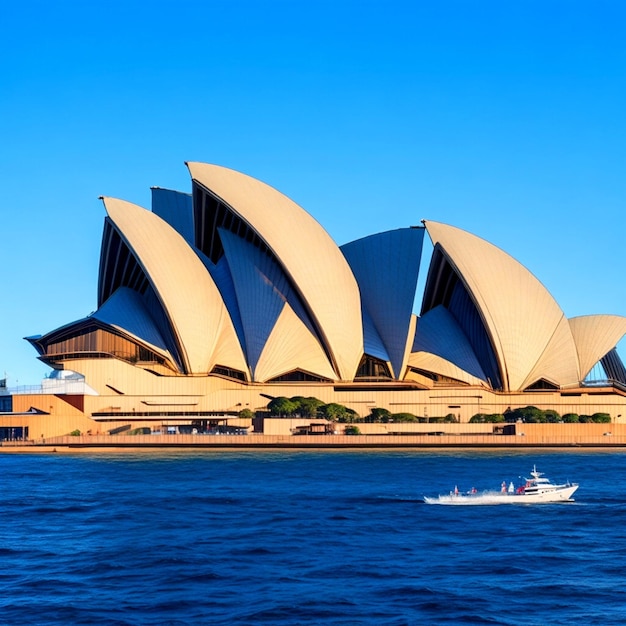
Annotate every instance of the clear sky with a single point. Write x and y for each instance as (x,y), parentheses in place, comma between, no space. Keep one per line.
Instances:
(504,118)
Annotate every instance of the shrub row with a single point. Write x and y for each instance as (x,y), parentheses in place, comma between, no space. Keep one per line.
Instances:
(533,415)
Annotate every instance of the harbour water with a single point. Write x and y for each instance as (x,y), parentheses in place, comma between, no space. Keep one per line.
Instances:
(307,537)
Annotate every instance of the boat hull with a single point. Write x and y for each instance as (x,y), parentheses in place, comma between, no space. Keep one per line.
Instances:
(562,493)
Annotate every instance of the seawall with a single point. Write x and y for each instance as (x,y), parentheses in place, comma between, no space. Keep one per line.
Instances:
(527,436)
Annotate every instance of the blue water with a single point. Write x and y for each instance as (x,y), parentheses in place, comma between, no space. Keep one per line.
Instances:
(293,537)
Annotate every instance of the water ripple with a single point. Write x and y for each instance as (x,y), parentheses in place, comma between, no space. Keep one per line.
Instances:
(298,537)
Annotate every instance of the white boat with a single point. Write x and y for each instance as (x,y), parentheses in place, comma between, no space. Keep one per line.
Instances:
(536,489)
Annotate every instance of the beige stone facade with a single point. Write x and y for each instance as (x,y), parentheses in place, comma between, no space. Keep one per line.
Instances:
(184,400)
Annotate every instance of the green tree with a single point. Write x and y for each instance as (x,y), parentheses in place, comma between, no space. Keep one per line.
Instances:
(309,407)
(487,418)
(246,414)
(601,418)
(571,418)
(282,407)
(403,417)
(378,415)
(297,400)
(529,414)
(335,412)
(533,415)
(552,416)
(479,418)
(494,418)
(351,430)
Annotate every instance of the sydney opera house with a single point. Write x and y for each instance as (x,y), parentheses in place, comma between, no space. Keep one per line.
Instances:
(229,296)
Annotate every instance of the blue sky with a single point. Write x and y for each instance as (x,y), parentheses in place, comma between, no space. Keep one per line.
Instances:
(507,119)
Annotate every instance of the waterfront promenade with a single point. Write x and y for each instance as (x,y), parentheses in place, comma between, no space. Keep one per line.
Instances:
(525,436)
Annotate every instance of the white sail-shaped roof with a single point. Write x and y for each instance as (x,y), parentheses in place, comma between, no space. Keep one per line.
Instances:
(438,334)
(519,314)
(125,311)
(190,299)
(557,364)
(595,336)
(387,266)
(291,346)
(176,209)
(372,342)
(429,362)
(307,254)
(261,290)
